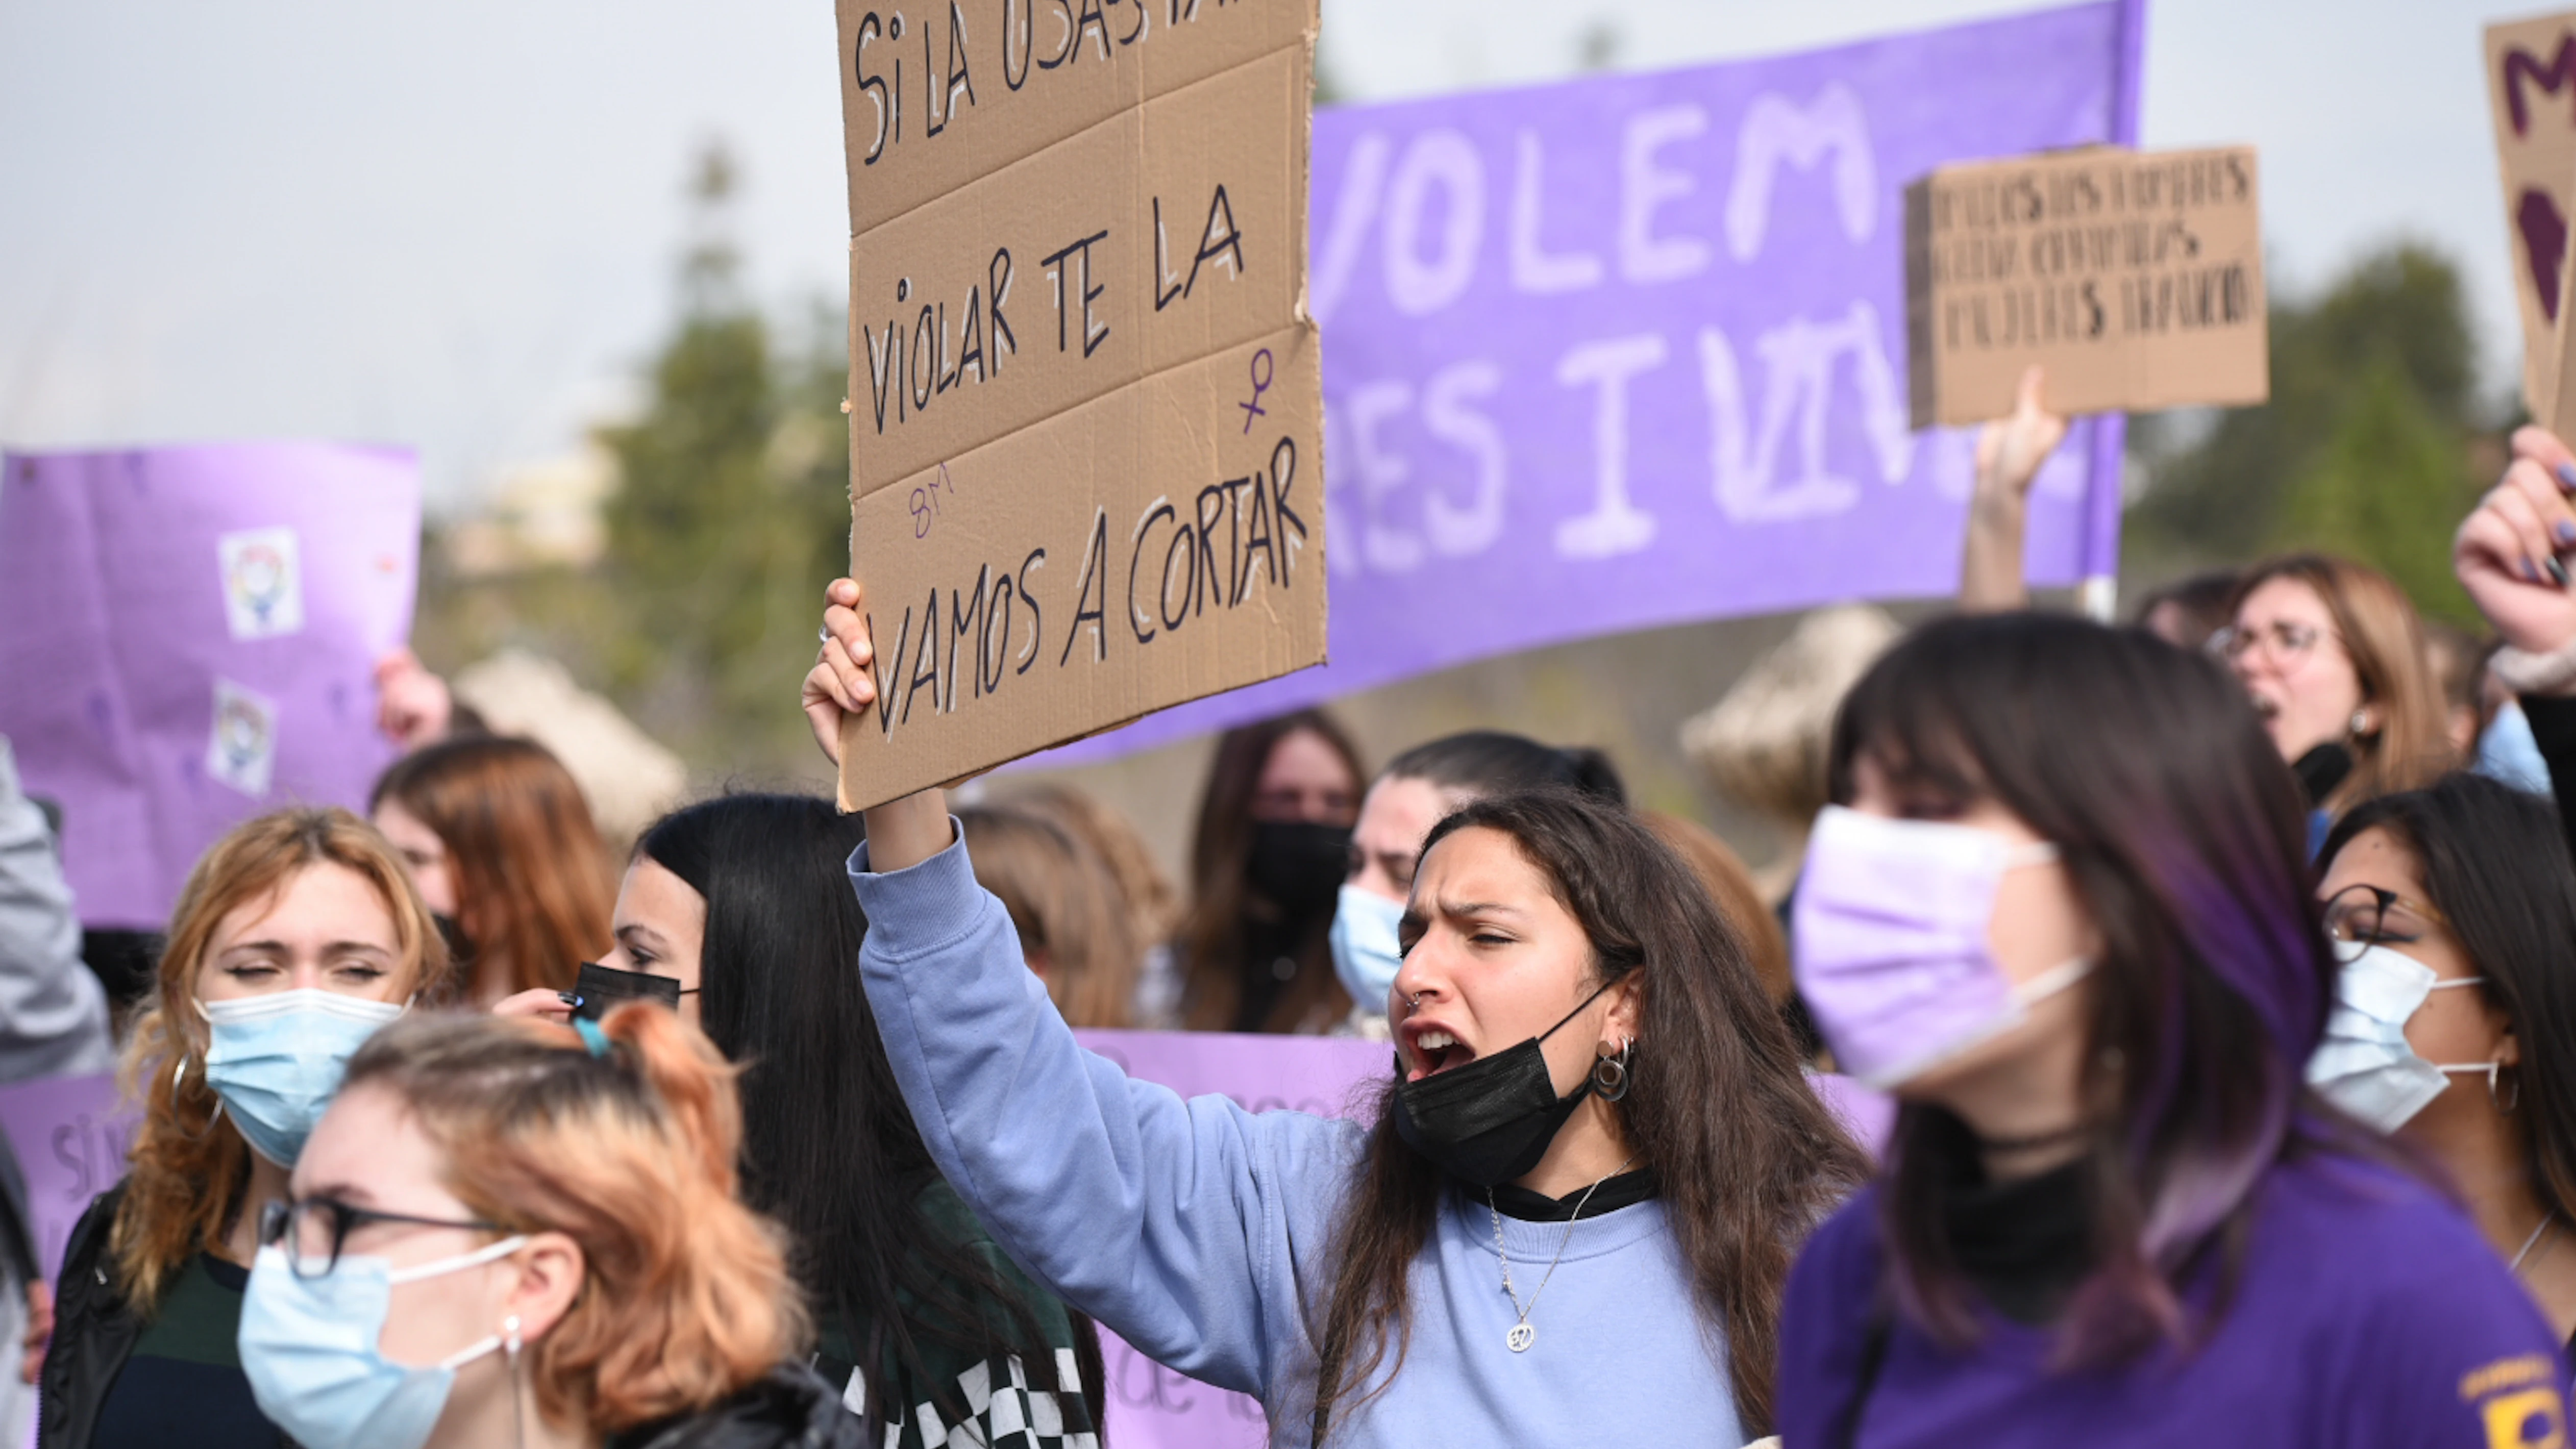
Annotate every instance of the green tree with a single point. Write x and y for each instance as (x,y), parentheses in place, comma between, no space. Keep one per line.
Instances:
(731,512)
(2366,447)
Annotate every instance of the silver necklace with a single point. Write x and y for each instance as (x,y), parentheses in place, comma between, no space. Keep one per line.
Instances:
(1522,1335)
(2532,1242)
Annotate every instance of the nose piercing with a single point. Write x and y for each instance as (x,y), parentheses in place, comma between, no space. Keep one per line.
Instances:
(1414,1001)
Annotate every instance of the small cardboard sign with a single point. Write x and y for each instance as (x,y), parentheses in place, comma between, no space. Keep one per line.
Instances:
(1086,407)
(2135,279)
(2531,95)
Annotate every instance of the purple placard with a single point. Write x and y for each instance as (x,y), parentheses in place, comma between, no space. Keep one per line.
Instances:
(1630,350)
(70,1135)
(1153,1407)
(188,637)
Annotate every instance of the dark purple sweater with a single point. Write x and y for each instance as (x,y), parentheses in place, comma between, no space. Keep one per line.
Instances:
(2370,1313)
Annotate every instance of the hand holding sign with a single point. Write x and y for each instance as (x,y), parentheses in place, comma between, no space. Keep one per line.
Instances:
(838,687)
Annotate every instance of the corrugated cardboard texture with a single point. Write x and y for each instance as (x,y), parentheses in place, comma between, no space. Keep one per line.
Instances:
(2531,93)
(1147,547)
(938,94)
(1146,241)
(2136,280)
(1086,404)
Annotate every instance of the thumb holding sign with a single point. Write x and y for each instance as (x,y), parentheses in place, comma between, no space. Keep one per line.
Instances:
(901,832)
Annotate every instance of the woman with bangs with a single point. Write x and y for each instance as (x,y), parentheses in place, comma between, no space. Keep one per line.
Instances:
(510,1233)
(295,938)
(2062,910)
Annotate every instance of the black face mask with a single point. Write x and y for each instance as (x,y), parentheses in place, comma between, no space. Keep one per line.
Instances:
(460,946)
(601,987)
(1300,867)
(2320,770)
(1490,1121)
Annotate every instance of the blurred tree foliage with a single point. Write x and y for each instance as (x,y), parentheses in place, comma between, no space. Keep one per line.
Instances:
(730,513)
(2374,444)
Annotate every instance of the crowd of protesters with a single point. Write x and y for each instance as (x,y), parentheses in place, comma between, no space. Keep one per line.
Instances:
(2214,979)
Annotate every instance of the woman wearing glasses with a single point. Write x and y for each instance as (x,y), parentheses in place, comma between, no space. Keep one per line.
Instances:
(297,936)
(509,1233)
(2333,657)
(2453,908)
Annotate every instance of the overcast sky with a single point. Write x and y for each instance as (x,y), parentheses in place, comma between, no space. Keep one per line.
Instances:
(455,225)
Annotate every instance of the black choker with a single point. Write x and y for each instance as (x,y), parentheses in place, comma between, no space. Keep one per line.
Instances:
(2037,1141)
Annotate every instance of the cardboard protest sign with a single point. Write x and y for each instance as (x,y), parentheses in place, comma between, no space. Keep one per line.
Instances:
(189,637)
(2531,94)
(2135,280)
(1085,398)
(1629,350)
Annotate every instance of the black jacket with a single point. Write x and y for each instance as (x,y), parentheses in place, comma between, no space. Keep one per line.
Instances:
(94,1331)
(790,1409)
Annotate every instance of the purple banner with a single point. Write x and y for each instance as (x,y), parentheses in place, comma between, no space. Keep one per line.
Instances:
(188,637)
(70,1134)
(1152,1407)
(1630,350)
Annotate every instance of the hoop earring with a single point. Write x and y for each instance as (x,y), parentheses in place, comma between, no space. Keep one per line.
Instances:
(1610,1074)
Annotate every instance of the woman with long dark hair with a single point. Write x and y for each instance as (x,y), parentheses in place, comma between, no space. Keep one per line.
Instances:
(2062,910)
(1412,794)
(1273,839)
(1567,1220)
(743,904)
(2454,908)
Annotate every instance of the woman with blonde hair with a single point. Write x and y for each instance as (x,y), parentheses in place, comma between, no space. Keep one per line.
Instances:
(296,936)
(2334,658)
(502,845)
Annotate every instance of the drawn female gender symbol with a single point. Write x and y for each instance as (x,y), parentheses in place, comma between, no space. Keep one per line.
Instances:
(1260,385)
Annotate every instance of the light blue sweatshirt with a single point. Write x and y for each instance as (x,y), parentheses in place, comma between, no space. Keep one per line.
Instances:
(1199,1232)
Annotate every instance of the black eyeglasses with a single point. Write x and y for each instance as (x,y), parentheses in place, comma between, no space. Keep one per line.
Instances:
(313,1229)
(2367,915)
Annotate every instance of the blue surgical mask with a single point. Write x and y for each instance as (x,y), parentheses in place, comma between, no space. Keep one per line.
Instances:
(1365,953)
(310,1349)
(276,1060)
(2365,1065)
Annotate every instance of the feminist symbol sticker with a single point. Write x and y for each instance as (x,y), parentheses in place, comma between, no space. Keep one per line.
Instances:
(241,749)
(263,582)
(1261,367)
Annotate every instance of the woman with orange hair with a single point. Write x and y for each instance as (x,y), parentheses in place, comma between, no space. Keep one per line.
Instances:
(497,835)
(509,1233)
(295,937)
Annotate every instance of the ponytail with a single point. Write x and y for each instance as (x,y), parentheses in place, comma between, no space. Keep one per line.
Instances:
(630,1150)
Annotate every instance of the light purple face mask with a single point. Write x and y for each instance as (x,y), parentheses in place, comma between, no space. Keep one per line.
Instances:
(1892,956)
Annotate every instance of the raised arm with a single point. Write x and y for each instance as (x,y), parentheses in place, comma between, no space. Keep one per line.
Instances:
(1173,1223)
(2509,555)
(2010,452)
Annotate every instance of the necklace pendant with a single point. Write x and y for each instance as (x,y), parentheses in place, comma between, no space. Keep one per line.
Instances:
(1520,1337)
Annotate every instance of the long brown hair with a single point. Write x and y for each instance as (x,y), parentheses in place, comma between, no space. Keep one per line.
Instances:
(1746,1157)
(533,884)
(2384,639)
(188,1167)
(685,1297)
(1064,902)
(1212,944)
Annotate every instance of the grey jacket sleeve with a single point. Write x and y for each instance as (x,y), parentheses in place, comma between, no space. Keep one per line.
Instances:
(53,1013)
